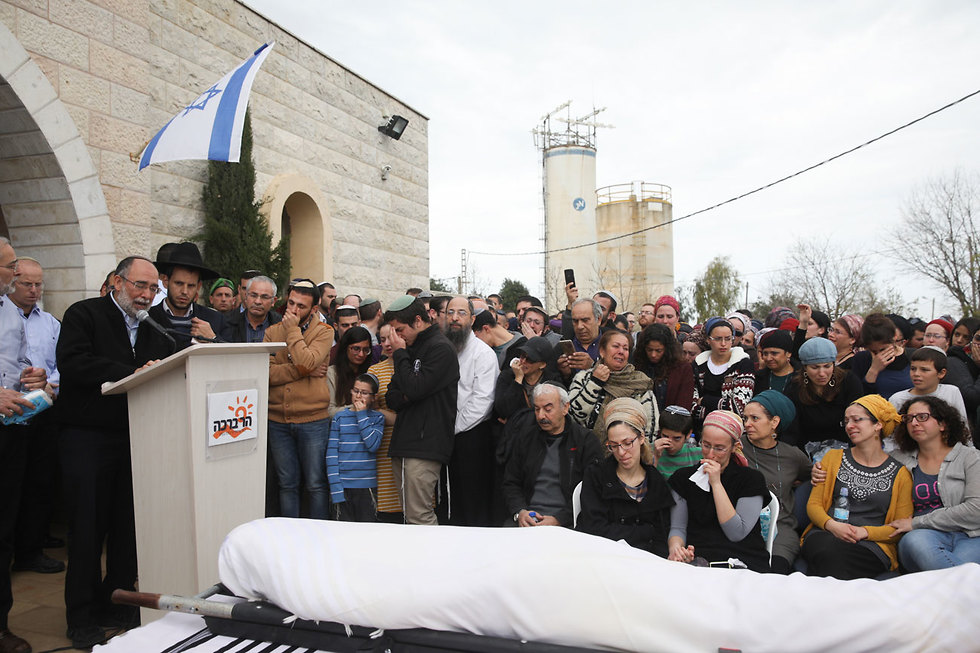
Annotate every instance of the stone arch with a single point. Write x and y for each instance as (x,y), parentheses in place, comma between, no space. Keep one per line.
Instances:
(292,203)
(50,191)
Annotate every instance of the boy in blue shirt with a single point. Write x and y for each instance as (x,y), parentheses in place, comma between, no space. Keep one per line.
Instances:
(355,435)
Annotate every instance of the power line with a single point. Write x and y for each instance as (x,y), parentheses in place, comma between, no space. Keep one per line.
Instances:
(743,195)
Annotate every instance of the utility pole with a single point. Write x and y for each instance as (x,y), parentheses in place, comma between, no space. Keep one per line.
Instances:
(462,272)
(746,294)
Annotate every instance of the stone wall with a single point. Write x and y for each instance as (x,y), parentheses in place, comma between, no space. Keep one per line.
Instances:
(122,68)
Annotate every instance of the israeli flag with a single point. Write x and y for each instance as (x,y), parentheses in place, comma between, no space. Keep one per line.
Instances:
(211,126)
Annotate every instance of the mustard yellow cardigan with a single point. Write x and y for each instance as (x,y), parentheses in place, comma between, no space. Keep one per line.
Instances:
(900,506)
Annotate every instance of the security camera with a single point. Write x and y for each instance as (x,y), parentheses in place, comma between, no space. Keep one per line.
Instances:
(385,169)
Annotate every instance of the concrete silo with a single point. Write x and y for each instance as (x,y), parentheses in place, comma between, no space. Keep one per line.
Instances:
(569,178)
(637,268)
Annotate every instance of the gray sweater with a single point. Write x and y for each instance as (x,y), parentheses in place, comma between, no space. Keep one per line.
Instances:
(959,488)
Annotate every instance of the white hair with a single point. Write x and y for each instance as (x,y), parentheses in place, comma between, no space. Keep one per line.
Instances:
(542,388)
(261,279)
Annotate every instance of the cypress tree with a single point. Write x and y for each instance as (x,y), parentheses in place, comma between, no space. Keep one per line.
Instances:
(236,236)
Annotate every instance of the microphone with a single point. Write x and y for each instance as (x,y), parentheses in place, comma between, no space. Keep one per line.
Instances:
(144,317)
(184,334)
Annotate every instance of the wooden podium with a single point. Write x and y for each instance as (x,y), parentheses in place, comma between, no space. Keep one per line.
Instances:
(197,424)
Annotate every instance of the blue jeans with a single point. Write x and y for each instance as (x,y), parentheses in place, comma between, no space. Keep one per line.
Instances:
(922,549)
(303,447)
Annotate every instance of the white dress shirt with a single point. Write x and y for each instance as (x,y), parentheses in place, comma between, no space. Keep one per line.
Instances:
(478,373)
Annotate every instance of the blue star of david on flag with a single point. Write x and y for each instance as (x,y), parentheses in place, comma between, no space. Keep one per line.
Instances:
(211,126)
(201,103)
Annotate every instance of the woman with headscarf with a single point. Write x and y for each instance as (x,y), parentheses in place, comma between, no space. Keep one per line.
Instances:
(724,376)
(693,344)
(845,333)
(612,377)
(784,466)
(716,515)
(820,392)
(865,489)
(667,311)
(659,356)
(624,497)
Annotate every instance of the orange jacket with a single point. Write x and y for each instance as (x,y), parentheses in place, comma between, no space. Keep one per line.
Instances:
(294,396)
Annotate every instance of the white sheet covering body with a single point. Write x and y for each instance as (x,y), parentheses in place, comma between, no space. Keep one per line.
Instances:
(559,586)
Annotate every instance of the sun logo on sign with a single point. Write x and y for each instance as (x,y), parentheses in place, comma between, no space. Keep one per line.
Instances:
(242,421)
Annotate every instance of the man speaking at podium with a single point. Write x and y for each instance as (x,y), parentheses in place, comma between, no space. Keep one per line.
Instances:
(102,340)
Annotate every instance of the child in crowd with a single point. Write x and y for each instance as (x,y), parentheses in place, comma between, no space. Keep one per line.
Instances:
(355,435)
(672,448)
(927,367)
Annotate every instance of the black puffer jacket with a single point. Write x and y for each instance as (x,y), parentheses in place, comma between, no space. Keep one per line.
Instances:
(608,511)
(423,391)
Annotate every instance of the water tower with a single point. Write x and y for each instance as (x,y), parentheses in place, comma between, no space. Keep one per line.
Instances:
(568,162)
(639,267)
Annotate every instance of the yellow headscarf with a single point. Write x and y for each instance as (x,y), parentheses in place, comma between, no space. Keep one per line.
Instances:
(882,410)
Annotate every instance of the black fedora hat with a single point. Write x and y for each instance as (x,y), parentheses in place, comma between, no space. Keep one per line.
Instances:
(186,255)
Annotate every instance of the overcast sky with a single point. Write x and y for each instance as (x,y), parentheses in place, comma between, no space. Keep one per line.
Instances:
(711,99)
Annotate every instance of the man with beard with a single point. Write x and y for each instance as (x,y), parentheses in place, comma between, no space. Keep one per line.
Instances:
(183,271)
(101,340)
(422,392)
(14,440)
(548,461)
(471,467)
(298,423)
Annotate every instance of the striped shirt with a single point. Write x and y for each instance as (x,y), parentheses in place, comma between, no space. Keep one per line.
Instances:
(688,455)
(388,499)
(354,437)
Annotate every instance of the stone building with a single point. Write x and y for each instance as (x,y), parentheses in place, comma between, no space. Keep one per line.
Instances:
(85,83)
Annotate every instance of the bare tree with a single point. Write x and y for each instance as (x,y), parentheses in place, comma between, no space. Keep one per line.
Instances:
(617,280)
(938,221)
(833,278)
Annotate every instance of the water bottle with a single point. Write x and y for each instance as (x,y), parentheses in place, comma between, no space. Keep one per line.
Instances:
(842,509)
(41,402)
(765,519)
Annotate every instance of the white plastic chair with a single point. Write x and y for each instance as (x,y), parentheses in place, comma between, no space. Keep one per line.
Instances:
(576,503)
(773,509)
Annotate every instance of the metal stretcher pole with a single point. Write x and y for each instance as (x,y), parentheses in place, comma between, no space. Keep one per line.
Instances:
(172,603)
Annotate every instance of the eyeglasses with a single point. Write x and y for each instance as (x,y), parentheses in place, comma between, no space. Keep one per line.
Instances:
(10,266)
(739,334)
(935,336)
(918,417)
(361,393)
(721,338)
(30,285)
(264,298)
(461,312)
(622,446)
(360,350)
(142,286)
(646,312)
(848,420)
(708,447)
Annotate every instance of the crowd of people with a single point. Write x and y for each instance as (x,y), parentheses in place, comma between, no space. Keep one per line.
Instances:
(839,447)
